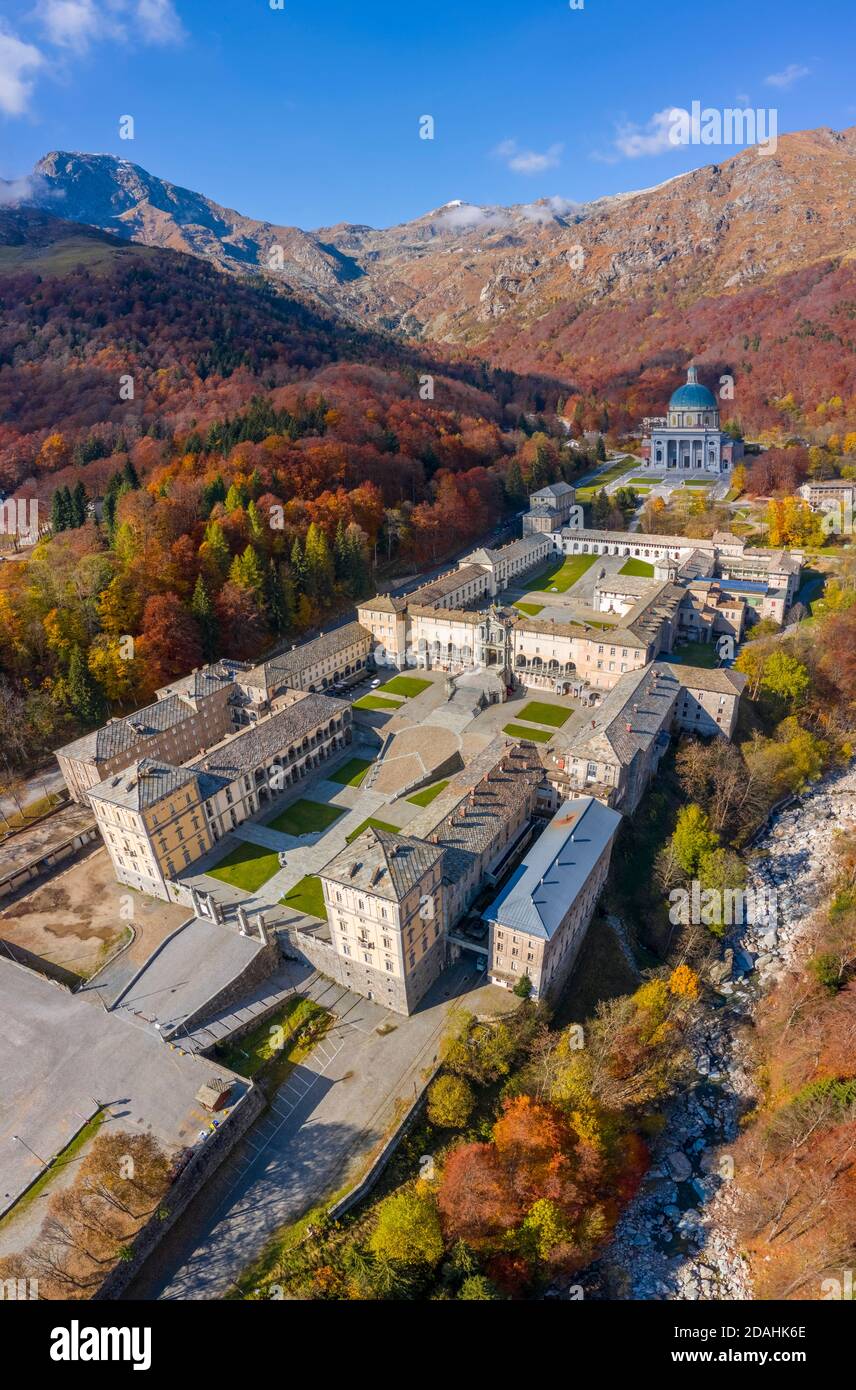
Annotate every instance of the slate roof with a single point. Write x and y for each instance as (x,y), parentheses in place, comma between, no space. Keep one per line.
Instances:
(206,681)
(144,784)
(555,490)
(721,680)
(628,720)
(613,636)
(479,814)
(383,864)
(385,603)
(121,734)
(539,893)
(431,593)
(261,742)
(271,674)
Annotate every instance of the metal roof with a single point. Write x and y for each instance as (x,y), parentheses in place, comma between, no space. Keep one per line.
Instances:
(540,892)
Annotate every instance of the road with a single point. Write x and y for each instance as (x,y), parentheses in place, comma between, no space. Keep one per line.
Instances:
(44,783)
(324,1125)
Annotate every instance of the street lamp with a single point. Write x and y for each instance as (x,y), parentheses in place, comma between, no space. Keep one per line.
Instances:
(32,1151)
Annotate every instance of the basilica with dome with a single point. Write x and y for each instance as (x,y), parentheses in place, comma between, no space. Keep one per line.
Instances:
(689,439)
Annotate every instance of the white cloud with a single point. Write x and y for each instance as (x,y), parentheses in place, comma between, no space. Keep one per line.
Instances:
(18,61)
(788,76)
(528,161)
(635,142)
(546,210)
(158,21)
(74,26)
(77,24)
(24,190)
(74,23)
(465,217)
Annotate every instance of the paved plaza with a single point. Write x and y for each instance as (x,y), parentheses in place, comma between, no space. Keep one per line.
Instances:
(63,1057)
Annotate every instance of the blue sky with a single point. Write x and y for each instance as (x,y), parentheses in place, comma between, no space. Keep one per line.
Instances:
(310,114)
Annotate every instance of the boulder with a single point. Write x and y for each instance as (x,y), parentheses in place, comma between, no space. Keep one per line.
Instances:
(679,1165)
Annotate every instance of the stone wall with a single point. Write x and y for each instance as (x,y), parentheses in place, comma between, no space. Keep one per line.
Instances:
(206,1159)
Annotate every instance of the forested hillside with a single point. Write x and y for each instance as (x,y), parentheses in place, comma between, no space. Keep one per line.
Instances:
(222,468)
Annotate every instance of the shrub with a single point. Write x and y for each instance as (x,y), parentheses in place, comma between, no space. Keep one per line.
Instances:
(450,1102)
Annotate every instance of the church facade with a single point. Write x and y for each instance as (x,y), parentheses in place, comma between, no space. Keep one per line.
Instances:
(689,438)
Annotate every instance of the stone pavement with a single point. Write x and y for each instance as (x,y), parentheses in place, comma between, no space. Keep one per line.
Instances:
(62,1058)
(255,834)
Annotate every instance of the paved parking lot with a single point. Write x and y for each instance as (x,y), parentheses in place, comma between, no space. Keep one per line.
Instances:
(324,1125)
(62,1056)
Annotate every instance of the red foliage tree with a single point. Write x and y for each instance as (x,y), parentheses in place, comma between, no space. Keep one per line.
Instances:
(169,644)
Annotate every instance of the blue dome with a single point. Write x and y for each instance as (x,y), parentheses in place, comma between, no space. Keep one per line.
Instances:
(692,395)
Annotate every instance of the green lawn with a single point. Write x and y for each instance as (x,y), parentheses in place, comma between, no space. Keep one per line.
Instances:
(372,824)
(352,773)
(609,475)
(408,686)
(32,811)
(307,896)
(539,712)
(530,609)
(697,482)
(376,702)
(427,794)
(70,1154)
(562,574)
(306,818)
(520,731)
(273,1047)
(646,478)
(696,654)
(640,568)
(246,866)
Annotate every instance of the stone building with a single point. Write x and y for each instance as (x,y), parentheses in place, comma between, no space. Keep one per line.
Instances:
(511,561)
(152,821)
(199,710)
(688,438)
(158,818)
(613,752)
(836,498)
(392,899)
(187,716)
(563,657)
(481,819)
(767,580)
(336,657)
(549,509)
(386,915)
(538,921)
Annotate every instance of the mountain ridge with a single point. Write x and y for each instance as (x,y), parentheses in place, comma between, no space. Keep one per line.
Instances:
(611,297)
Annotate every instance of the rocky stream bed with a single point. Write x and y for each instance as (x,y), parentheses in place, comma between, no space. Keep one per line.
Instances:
(673,1240)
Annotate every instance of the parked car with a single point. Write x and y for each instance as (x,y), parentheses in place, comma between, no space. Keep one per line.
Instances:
(375,684)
